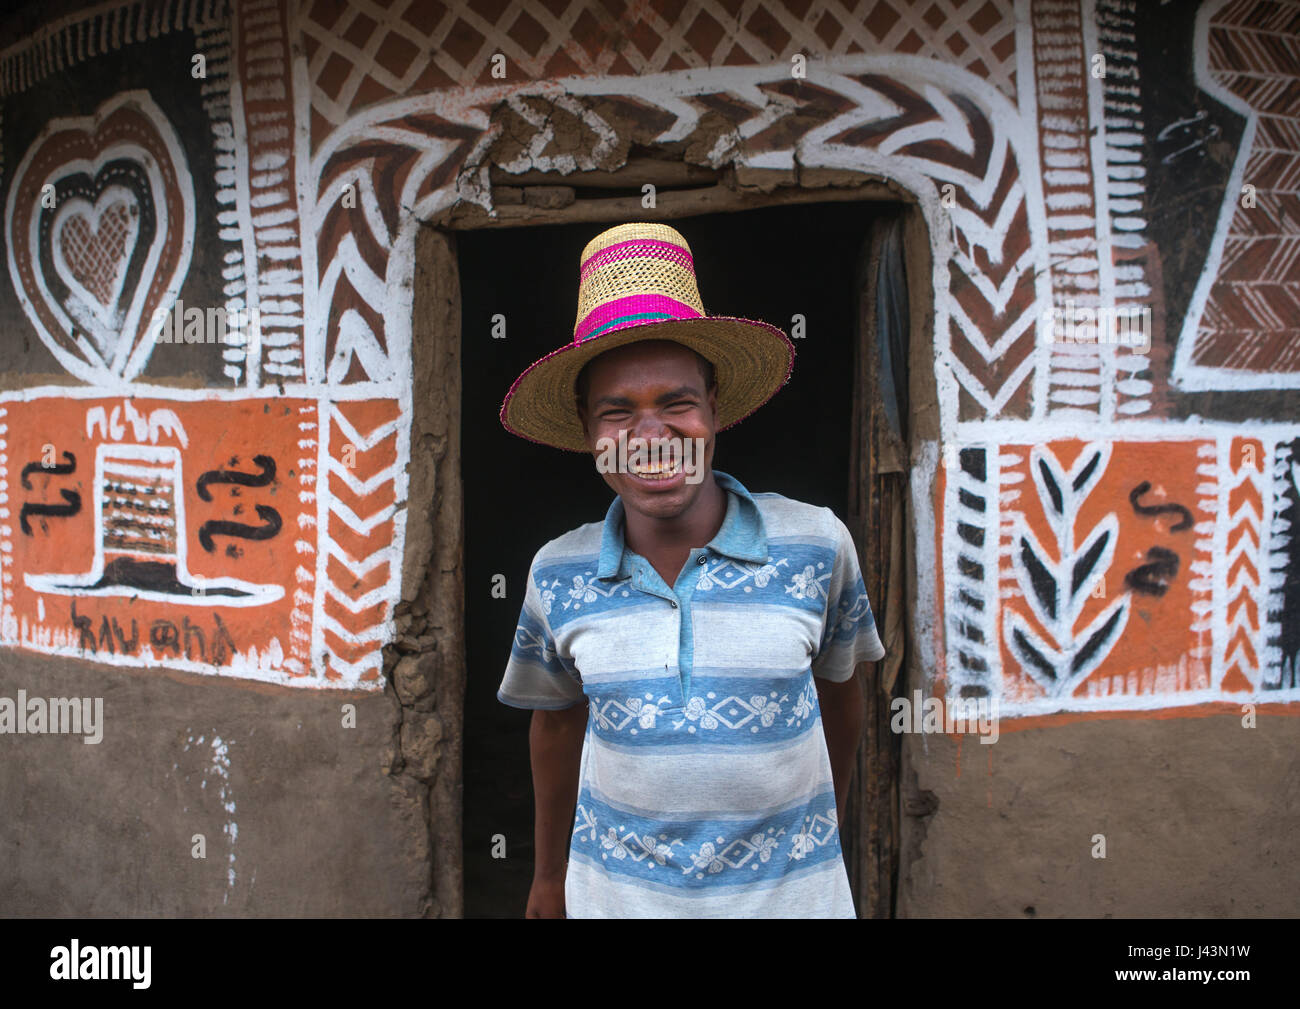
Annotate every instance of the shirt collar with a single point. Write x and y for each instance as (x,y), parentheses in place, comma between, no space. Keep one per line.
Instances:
(742,536)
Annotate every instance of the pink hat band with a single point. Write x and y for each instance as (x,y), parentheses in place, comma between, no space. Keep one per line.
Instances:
(634,310)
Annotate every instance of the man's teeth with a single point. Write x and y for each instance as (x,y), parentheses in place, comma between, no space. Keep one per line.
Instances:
(655,471)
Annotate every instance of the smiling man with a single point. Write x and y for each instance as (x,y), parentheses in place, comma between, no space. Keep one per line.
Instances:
(689,660)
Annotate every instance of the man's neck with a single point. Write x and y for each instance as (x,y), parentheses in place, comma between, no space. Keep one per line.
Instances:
(648,535)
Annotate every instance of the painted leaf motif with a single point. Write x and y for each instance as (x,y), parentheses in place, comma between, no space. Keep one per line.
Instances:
(1050,481)
(1088,561)
(1041,579)
(1085,475)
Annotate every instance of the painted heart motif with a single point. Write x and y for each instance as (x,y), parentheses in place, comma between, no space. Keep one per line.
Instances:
(100,229)
(92,246)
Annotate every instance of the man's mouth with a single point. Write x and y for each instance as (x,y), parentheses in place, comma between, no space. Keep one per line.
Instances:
(663,470)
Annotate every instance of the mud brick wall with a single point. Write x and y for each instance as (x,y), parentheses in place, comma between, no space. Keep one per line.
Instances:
(229,420)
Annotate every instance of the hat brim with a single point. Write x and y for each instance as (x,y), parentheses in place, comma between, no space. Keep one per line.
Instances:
(752,360)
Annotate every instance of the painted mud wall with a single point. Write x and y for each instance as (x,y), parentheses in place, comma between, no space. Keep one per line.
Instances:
(216,404)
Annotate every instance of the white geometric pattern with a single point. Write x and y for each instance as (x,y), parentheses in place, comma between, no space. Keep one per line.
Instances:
(815,833)
(623,844)
(734,855)
(708,712)
(407,46)
(728,574)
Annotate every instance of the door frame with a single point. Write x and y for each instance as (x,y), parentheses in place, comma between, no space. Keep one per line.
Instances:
(433,591)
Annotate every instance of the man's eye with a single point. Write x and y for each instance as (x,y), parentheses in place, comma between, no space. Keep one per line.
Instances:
(682,404)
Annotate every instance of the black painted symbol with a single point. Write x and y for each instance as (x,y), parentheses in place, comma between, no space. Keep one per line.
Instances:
(1169,508)
(60,469)
(73,499)
(220,527)
(220,476)
(271,521)
(53,510)
(1154,577)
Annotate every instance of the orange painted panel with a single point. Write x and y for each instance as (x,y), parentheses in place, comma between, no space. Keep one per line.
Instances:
(1105,570)
(151,531)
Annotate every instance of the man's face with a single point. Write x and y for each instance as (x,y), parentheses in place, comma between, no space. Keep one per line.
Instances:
(653,391)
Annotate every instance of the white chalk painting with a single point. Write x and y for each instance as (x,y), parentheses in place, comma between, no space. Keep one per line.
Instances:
(1048,550)
(249,530)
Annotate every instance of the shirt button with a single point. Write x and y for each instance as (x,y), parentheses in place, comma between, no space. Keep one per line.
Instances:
(672,604)
(704,558)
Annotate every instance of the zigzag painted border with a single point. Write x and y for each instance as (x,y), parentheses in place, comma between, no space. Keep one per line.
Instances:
(938,131)
(362,527)
(1243,510)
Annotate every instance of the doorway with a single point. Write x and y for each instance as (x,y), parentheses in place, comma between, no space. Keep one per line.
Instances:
(811,442)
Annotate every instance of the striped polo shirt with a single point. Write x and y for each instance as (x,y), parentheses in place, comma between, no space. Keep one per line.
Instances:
(705,783)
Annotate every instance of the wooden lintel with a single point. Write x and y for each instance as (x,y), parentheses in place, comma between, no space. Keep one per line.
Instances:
(671,204)
(633,175)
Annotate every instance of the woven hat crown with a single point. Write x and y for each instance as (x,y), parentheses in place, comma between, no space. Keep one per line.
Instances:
(637,282)
(635,274)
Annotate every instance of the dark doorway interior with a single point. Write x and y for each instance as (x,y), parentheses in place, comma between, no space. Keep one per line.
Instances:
(767,264)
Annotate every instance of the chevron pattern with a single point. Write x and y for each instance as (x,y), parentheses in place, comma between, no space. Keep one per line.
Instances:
(991,313)
(992,316)
(364,186)
(362,561)
(992,322)
(1244,487)
(1252,316)
(370,51)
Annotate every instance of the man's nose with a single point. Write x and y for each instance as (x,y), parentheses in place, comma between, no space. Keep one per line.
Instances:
(650,425)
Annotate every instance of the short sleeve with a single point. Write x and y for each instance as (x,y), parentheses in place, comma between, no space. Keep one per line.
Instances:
(536,677)
(849,633)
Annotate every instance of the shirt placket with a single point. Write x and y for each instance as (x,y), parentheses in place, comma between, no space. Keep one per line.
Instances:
(648,580)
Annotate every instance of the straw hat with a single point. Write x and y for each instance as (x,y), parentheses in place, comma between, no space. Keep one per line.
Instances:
(637,282)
